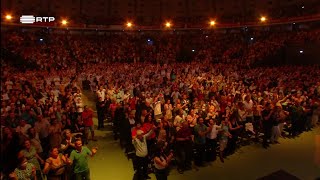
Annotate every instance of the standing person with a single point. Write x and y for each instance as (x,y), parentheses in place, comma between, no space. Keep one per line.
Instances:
(211,141)
(55,166)
(42,127)
(234,131)
(35,141)
(184,147)
(100,105)
(267,124)
(101,93)
(200,140)
(275,118)
(79,159)
(168,110)
(161,161)
(55,133)
(248,107)
(140,144)
(32,156)
(67,144)
(157,107)
(87,115)
(147,126)
(224,137)
(24,171)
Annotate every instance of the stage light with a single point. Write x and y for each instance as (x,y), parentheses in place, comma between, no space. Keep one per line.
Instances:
(168,24)
(8,17)
(129,24)
(301,51)
(263,19)
(64,22)
(212,23)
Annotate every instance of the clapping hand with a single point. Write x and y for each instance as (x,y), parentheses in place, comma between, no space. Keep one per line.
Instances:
(68,161)
(94,150)
(13,175)
(34,171)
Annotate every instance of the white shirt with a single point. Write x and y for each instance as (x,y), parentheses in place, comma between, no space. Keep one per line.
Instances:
(178,120)
(24,129)
(157,108)
(80,107)
(248,106)
(214,132)
(101,94)
(141,145)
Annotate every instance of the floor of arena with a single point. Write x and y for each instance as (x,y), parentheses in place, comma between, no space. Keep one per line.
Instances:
(294,156)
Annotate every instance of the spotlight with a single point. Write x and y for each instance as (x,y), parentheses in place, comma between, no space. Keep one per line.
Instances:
(8,17)
(64,22)
(168,24)
(263,19)
(301,51)
(212,23)
(129,24)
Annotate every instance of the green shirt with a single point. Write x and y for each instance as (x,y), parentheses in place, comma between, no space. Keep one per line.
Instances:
(200,139)
(80,159)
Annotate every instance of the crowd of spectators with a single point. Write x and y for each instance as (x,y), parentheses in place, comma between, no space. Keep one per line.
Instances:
(160,108)
(65,50)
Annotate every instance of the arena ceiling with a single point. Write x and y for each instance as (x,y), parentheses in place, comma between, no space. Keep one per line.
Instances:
(151,12)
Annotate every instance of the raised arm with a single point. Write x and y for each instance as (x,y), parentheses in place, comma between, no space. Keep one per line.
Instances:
(46,168)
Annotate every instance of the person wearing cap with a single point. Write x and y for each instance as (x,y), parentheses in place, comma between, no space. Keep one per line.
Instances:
(140,144)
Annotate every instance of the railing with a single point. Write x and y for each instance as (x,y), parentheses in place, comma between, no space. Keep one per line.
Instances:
(117,27)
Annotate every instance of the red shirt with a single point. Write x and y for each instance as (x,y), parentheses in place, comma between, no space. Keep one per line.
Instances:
(147,127)
(87,118)
(184,132)
(113,108)
(133,103)
(134,131)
